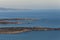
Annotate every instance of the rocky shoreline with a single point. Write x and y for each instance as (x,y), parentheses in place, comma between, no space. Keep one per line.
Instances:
(14,30)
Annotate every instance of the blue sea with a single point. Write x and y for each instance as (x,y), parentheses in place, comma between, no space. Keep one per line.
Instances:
(45,18)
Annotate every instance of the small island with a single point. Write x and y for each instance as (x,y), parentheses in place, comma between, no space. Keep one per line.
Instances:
(11,20)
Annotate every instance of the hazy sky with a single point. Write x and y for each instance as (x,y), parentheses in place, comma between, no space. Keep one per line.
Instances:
(31,4)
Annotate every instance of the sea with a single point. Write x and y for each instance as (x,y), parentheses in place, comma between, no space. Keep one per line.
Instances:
(45,18)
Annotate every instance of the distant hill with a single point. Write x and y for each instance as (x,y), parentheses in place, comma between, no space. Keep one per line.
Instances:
(12,9)
(7,9)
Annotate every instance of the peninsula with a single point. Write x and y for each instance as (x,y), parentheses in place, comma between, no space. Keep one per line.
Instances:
(15,30)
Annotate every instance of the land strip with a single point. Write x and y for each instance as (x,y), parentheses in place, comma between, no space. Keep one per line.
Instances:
(14,30)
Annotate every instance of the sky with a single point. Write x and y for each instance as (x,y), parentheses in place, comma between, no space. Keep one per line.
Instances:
(30,4)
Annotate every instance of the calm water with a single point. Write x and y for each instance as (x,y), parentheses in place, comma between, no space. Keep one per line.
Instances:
(36,35)
(46,18)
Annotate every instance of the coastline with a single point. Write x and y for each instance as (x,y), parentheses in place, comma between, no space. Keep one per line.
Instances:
(15,30)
